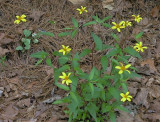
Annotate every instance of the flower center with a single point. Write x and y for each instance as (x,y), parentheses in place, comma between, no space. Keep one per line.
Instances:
(82,9)
(140,46)
(118,26)
(125,96)
(66,78)
(123,68)
(20,18)
(65,49)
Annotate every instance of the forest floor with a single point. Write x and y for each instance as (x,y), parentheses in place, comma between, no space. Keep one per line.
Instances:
(26,90)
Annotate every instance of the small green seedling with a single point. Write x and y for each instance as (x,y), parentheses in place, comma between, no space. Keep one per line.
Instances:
(2,60)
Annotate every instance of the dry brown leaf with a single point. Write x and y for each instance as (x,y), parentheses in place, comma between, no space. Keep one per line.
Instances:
(154,107)
(23,103)
(77,1)
(124,117)
(155,117)
(132,90)
(36,15)
(150,62)
(141,98)
(155,91)
(155,11)
(3,51)
(5,39)
(10,112)
(144,21)
(108,4)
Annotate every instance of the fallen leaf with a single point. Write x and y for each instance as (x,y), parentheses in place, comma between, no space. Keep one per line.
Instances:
(23,103)
(5,39)
(154,107)
(155,11)
(108,4)
(3,51)
(124,117)
(141,98)
(150,62)
(144,21)
(155,91)
(36,15)
(152,117)
(77,1)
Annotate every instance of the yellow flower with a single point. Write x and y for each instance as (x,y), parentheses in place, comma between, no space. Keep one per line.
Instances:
(126,97)
(123,68)
(137,18)
(20,18)
(127,23)
(118,26)
(138,47)
(82,9)
(65,78)
(65,50)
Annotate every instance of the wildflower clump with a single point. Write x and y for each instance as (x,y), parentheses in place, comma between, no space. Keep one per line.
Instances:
(65,78)
(137,18)
(81,10)
(138,47)
(123,68)
(126,97)
(126,23)
(20,18)
(65,50)
(118,26)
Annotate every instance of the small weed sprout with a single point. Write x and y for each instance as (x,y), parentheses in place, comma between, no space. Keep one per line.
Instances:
(2,60)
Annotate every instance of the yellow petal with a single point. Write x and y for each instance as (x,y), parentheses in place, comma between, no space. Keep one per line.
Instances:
(62,77)
(118,30)
(127,66)
(127,93)
(23,20)
(23,16)
(128,99)
(69,74)
(61,50)
(114,27)
(121,71)
(78,9)
(122,94)
(128,71)
(63,81)
(114,23)
(118,67)
(130,96)
(63,46)
(123,99)
(85,10)
(64,74)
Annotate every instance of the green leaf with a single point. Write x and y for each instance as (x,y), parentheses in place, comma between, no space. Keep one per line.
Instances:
(97,19)
(115,61)
(27,33)
(115,36)
(68,28)
(113,52)
(19,48)
(85,52)
(89,23)
(75,60)
(56,53)
(74,84)
(64,34)
(97,41)
(35,41)
(64,87)
(121,108)
(51,21)
(106,47)
(26,41)
(46,33)
(38,62)
(75,23)
(91,75)
(49,62)
(114,92)
(91,88)
(112,116)
(64,68)
(74,97)
(139,35)
(104,62)
(41,55)
(107,25)
(106,18)
(27,47)
(92,108)
(132,52)
(74,33)
(58,102)
(63,60)
(124,86)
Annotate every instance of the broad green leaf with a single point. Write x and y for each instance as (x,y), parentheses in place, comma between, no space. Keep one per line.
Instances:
(38,62)
(74,84)
(106,18)
(26,41)
(35,41)
(114,92)
(56,53)
(113,52)
(64,34)
(64,68)
(97,41)
(92,108)
(122,59)
(68,28)
(106,46)
(121,108)
(92,73)
(115,36)
(49,62)
(46,33)
(139,35)
(91,88)
(41,55)
(19,48)
(27,47)
(106,107)
(58,102)
(51,21)
(75,60)
(104,62)
(75,23)
(85,52)
(74,96)
(89,23)
(124,86)
(132,52)
(27,33)
(107,25)
(103,95)
(74,33)
(64,87)
(112,116)
(63,60)
(115,61)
